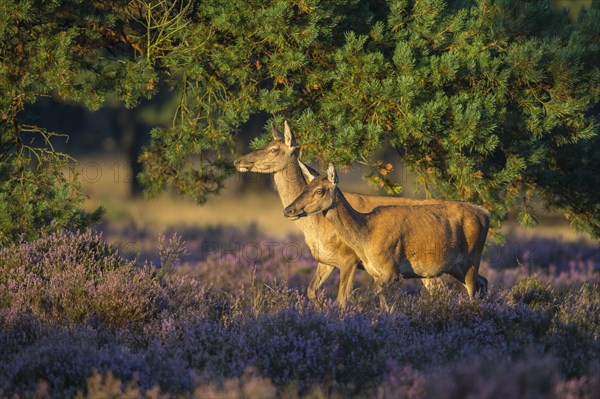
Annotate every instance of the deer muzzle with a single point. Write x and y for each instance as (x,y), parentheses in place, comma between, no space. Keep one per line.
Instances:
(292,213)
(242,166)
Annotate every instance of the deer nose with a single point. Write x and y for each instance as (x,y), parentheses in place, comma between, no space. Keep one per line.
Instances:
(292,213)
(242,166)
(287,212)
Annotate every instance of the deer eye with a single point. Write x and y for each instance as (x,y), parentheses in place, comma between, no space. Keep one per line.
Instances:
(319,191)
(274,150)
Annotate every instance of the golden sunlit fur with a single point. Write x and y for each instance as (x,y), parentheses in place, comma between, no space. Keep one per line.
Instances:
(421,241)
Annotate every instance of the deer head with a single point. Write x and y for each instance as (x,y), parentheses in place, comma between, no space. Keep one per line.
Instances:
(273,157)
(319,195)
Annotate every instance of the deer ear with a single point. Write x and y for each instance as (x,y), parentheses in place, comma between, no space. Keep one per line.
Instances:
(308,172)
(289,137)
(276,133)
(331,175)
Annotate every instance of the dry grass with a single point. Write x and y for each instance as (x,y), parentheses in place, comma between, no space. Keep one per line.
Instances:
(110,190)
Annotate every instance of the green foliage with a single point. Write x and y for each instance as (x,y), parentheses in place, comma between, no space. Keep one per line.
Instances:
(233,60)
(47,48)
(481,100)
(486,101)
(490,101)
(39,199)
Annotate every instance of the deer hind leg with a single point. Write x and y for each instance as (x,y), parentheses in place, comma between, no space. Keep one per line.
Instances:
(471,281)
(321,275)
(482,286)
(468,279)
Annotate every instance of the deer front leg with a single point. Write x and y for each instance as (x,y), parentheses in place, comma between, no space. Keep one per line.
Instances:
(381,283)
(321,275)
(347,271)
(382,301)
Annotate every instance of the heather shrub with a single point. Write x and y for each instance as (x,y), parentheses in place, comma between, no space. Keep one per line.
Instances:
(225,257)
(543,254)
(293,344)
(486,374)
(16,332)
(442,324)
(170,252)
(233,265)
(402,382)
(108,386)
(267,298)
(186,298)
(490,376)
(564,264)
(360,352)
(575,329)
(533,292)
(60,250)
(581,309)
(298,342)
(64,359)
(235,324)
(586,387)
(250,385)
(213,349)
(71,278)
(534,301)
(441,308)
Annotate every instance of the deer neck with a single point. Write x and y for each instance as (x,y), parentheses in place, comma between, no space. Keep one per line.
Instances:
(289,182)
(349,224)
